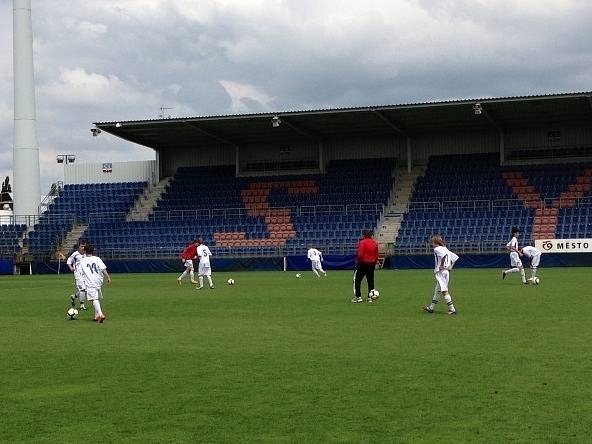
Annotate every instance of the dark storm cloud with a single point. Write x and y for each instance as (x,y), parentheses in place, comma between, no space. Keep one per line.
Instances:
(124,59)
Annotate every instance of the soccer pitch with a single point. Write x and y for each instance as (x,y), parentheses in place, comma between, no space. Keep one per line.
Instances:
(279,359)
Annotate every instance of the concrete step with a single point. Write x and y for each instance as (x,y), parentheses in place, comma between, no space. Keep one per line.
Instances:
(146,202)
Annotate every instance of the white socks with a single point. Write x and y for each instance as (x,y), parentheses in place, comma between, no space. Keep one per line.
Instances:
(97,306)
(201,280)
(448,300)
(516,270)
(316,272)
(192,275)
(435,299)
(183,275)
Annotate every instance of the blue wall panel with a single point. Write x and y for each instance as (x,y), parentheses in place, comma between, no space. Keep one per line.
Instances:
(299,263)
(6,266)
(330,262)
(493,261)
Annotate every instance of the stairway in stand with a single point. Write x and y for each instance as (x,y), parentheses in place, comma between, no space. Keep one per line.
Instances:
(146,202)
(390,221)
(71,239)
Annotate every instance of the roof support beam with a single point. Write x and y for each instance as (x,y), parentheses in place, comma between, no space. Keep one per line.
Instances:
(500,131)
(300,129)
(490,119)
(390,123)
(211,134)
(399,131)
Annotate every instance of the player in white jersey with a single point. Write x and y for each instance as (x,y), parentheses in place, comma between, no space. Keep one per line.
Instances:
(316,258)
(444,260)
(73,263)
(93,270)
(535,258)
(204,268)
(515,254)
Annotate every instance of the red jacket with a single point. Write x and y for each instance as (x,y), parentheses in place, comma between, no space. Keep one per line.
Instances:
(367,251)
(189,252)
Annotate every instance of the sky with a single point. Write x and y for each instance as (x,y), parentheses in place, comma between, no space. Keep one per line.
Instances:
(111,60)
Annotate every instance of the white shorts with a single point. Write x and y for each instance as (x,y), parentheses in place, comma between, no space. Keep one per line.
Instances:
(204,270)
(442,278)
(93,294)
(534,262)
(188,263)
(316,265)
(515,259)
(78,282)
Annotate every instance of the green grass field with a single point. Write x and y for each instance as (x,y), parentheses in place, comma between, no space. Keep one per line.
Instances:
(278,359)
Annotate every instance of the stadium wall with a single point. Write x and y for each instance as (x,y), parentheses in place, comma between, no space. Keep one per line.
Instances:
(491,261)
(215,155)
(539,137)
(299,263)
(373,146)
(459,142)
(337,148)
(134,171)
(6,266)
(297,150)
(422,145)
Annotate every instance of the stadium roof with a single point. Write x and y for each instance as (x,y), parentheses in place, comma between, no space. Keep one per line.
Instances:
(550,110)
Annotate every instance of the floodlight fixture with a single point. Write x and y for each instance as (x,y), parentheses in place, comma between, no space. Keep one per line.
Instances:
(477,109)
(95,131)
(65,158)
(275,121)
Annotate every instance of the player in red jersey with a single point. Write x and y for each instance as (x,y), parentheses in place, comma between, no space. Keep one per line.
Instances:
(365,264)
(187,256)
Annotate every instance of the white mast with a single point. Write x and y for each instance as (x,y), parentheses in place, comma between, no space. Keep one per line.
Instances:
(26,189)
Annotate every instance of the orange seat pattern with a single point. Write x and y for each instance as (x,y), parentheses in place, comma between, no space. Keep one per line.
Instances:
(546,214)
(278,220)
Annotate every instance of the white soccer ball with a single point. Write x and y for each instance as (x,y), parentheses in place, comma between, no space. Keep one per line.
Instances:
(72,314)
(536,280)
(374,294)
(298,275)
(230,281)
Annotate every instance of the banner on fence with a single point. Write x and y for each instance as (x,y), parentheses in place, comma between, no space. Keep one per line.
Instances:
(564,245)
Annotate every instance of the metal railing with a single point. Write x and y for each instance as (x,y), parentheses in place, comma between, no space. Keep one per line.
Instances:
(482,246)
(54,192)
(168,252)
(224,213)
(499,204)
(28,220)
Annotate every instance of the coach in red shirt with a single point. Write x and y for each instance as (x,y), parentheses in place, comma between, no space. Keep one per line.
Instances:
(365,264)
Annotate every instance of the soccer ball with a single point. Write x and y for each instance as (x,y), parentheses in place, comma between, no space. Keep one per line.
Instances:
(230,281)
(374,294)
(536,280)
(72,314)
(298,275)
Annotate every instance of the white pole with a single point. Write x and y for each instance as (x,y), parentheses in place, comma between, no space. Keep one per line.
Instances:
(27,191)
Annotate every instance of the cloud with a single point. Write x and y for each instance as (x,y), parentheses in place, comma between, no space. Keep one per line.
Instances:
(77,87)
(245,98)
(124,59)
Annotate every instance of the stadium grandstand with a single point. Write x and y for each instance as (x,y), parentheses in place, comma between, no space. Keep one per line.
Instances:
(269,185)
